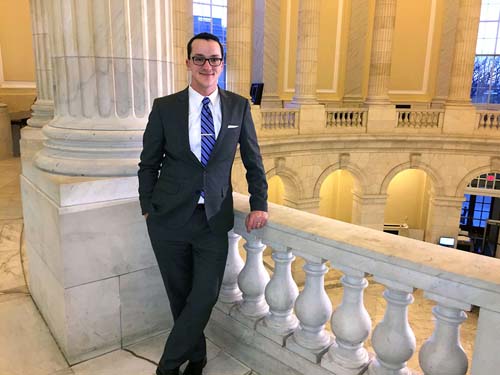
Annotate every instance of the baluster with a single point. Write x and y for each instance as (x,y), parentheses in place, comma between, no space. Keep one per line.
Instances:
(281,293)
(313,309)
(345,120)
(482,120)
(497,121)
(230,293)
(393,340)
(351,326)
(252,281)
(442,352)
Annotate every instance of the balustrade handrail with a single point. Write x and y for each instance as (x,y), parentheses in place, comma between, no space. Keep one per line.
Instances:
(426,118)
(488,119)
(347,117)
(295,320)
(462,276)
(287,118)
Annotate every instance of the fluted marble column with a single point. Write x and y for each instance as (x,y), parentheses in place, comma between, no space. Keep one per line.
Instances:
(270,98)
(239,46)
(110,60)
(43,109)
(182,26)
(381,52)
(307,52)
(356,42)
(465,51)
(448,36)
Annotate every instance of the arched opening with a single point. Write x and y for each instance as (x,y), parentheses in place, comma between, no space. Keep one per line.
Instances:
(276,190)
(336,196)
(480,215)
(407,208)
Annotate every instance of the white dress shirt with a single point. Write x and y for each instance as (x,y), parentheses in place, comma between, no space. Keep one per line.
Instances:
(195,105)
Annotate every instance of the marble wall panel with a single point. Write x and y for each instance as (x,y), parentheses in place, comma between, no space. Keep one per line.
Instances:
(41,220)
(92,319)
(48,294)
(145,310)
(103,240)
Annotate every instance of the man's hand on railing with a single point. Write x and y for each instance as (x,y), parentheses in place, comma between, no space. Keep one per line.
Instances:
(256,220)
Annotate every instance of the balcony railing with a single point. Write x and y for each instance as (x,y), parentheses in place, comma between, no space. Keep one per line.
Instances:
(420,119)
(489,120)
(259,314)
(274,119)
(347,118)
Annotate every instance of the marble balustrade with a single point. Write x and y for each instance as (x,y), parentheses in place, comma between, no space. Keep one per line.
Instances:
(289,326)
(286,122)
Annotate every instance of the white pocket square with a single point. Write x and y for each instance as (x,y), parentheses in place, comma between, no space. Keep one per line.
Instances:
(232,126)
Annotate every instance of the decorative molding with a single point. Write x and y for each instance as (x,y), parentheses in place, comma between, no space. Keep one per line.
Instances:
(287,46)
(428,54)
(18,84)
(336,63)
(13,84)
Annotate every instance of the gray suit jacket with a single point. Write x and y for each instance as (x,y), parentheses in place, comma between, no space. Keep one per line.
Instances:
(171,178)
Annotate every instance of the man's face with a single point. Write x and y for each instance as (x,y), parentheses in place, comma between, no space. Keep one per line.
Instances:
(204,78)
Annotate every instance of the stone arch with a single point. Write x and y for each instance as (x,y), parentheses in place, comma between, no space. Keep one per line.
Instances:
(437,186)
(293,186)
(471,175)
(359,178)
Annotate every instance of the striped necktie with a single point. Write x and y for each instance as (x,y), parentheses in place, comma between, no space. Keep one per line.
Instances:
(207,132)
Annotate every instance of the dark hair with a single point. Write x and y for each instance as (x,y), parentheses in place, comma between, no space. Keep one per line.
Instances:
(204,36)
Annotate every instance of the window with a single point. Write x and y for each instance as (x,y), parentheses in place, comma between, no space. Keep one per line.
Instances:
(486,181)
(475,211)
(486,76)
(210,16)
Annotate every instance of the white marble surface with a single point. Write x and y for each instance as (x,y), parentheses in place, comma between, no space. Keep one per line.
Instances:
(144,305)
(26,345)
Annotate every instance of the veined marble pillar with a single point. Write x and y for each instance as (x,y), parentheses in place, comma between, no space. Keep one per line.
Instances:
(465,51)
(182,26)
(239,46)
(380,62)
(110,60)
(307,53)
(32,137)
(43,109)
(448,36)
(85,236)
(270,98)
(356,46)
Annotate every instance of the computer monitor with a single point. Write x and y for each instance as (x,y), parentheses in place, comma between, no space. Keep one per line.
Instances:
(447,241)
(256,92)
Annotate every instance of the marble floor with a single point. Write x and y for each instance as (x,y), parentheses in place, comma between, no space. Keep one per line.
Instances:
(27,347)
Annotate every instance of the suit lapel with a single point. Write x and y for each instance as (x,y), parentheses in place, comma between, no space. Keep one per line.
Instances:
(225,103)
(182,118)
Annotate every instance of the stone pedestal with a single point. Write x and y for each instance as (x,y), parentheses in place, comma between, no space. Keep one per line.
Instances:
(5,133)
(443,218)
(382,118)
(460,119)
(312,119)
(93,274)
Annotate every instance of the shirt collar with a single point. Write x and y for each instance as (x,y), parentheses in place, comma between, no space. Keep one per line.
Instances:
(196,97)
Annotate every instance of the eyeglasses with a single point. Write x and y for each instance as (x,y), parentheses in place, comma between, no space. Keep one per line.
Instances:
(200,60)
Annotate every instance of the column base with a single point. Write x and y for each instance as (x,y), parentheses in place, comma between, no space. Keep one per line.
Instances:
(90,263)
(311,355)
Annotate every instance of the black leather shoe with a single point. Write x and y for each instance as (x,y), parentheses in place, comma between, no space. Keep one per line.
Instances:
(195,368)
(174,371)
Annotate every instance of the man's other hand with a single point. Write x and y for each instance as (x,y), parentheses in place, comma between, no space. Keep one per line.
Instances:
(256,220)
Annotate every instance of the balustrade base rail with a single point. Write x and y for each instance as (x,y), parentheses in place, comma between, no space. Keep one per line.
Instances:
(454,280)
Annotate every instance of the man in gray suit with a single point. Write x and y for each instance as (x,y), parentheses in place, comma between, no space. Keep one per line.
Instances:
(186,196)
